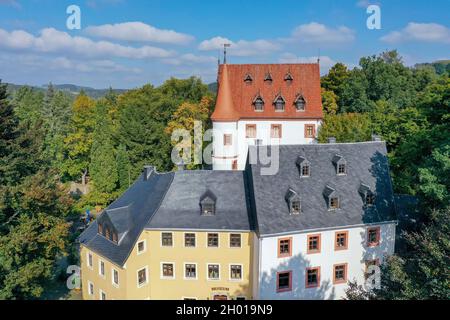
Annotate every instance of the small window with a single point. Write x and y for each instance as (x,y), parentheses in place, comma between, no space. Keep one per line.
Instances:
(141,247)
(250,131)
(114,237)
(279,104)
(341,240)
(213,272)
(227,140)
(373,237)
(190,271)
(310,130)
(189,240)
(248,78)
(334,203)
(102,295)
(295,207)
(213,240)
(312,277)
(284,281)
(91,288)
(167,270)
(268,78)
(142,277)
(304,170)
(288,78)
(342,169)
(258,104)
(235,272)
(208,209)
(90,260)
(340,273)
(101,268)
(370,199)
(100,228)
(284,247)
(115,277)
(235,240)
(314,243)
(107,233)
(275,131)
(166,239)
(300,104)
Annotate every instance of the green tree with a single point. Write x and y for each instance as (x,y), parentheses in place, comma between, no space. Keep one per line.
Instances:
(345,127)
(123,167)
(335,79)
(329,102)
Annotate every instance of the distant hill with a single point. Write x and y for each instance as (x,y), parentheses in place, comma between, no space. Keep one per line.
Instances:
(71,89)
(440,66)
(213,87)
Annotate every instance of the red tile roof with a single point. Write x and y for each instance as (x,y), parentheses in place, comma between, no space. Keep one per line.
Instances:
(235,96)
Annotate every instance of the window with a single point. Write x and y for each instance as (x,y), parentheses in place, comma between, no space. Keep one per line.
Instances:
(312,277)
(275,131)
(373,237)
(250,130)
(227,140)
(279,104)
(89,260)
(213,272)
(258,104)
(190,271)
(341,240)
(295,207)
(370,271)
(370,199)
(189,239)
(334,203)
(235,272)
(284,281)
(141,247)
(208,209)
(300,104)
(100,228)
(115,277)
(91,288)
(310,130)
(213,240)
(235,240)
(102,295)
(107,233)
(284,247)
(342,169)
(288,78)
(313,243)
(114,237)
(234,165)
(142,277)
(268,78)
(167,270)
(248,78)
(101,268)
(304,170)
(340,273)
(166,239)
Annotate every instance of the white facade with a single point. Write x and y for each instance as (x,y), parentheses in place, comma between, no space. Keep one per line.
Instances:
(267,263)
(292,132)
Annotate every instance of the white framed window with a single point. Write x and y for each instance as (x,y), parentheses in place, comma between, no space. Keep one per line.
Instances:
(90,288)
(101,268)
(89,260)
(235,240)
(101,295)
(167,270)
(236,270)
(190,240)
(213,271)
(212,240)
(166,239)
(115,277)
(141,247)
(190,271)
(142,277)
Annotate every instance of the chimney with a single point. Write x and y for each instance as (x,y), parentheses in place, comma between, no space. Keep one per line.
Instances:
(148,172)
(331,140)
(376,137)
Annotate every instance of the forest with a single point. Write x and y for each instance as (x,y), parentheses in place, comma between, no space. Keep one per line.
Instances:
(51,141)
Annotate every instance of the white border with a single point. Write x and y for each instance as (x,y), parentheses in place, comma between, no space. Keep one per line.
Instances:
(100,261)
(184,240)
(100,291)
(229,240)
(161,237)
(161,275)
(242,272)
(146,277)
(87,260)
(218,240)
(89,288)
(137,247)
(207,271)
(112,277)
(184,271)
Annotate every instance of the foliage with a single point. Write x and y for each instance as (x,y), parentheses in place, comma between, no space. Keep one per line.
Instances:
(329,102)
(345,127)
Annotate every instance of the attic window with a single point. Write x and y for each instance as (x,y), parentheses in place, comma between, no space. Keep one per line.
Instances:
(100,229)
(248,78)
(258,102)
(295,207)
(368,196)
(207,209)
(300,103)
(279,103)
(304,172)
(304,167)
(334,203)
(208,204)
(268,78)
(340,164)
(293,201)
(288,78)
(332,198)
(342,169)
(370,199)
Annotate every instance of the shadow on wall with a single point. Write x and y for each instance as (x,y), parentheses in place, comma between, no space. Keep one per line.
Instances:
(298,265)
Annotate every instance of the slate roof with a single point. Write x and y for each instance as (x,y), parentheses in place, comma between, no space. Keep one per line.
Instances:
(137,204)
(181,206)
(366,163)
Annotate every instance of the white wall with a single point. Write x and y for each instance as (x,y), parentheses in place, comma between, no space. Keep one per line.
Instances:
(293,132)
(355,256)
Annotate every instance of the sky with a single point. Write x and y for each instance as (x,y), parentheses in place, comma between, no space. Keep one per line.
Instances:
(128,43)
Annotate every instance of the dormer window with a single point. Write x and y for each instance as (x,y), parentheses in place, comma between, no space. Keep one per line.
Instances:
(370,199)
(208,204)
(367,195)
(268,78)
(294,203)
(340,165)
(305,170)
(342,169)
(334,203)
(332,198)
(258,103)
(304,167)
(295,207)
(248,79)
(279,103)
(288,78)
(300,103)
(100,228)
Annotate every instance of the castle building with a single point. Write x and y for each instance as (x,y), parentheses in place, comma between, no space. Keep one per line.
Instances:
(264,104)
(320,221)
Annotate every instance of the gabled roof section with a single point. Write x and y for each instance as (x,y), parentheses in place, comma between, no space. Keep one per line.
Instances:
(306,79)
(224,110)
(279,96)
(292,195)
(338,159)
(208,197)
(301,160)
(329,191)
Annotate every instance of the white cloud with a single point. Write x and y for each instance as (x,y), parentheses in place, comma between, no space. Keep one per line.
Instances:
(139,32)
(319,33)
(190,59)
(241,48)
(12,3)
(422,32)
(51,40)
(325,61)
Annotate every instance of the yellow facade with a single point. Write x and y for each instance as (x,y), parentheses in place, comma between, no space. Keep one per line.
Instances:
(177,287)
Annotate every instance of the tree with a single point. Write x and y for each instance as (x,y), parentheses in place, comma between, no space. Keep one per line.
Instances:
(123,168)
(28,104)
(329,102)
(346,127)
(335,79)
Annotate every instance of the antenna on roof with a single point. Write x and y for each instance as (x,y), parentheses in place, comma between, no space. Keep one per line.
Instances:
(218,57)
(318,56)
(225,46)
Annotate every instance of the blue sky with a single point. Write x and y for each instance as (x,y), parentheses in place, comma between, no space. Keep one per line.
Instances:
(124,43)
